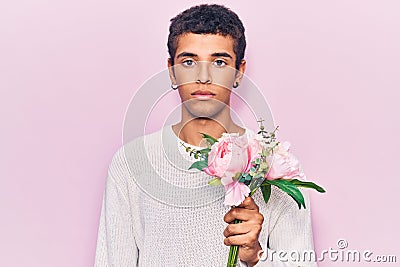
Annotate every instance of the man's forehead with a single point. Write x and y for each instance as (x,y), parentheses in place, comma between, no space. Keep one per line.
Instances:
(204,44)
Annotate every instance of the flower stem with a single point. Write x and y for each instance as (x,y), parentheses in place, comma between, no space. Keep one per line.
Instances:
(233,252)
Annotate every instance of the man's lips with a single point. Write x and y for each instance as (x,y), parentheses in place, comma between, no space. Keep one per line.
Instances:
(203,94)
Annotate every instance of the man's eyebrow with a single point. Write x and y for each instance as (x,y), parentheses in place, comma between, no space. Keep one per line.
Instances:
(217,54)
(186,54)
(221,54)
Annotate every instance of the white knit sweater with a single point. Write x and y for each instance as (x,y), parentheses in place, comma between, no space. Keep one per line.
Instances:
(156,212)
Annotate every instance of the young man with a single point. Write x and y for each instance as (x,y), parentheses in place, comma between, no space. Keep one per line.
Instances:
(139,227)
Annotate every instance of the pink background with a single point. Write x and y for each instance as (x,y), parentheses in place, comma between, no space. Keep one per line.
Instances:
(68,69)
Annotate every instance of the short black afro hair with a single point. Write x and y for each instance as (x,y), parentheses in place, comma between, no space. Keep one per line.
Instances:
(208,19)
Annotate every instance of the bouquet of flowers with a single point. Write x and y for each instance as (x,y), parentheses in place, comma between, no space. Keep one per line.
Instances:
(243,164)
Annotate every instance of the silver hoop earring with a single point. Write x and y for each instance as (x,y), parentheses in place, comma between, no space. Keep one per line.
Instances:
(174,86)
(236,85)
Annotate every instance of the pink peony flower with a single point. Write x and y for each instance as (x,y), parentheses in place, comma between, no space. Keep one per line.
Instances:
(233,154)
(235,193)
(284,164)
(227,157)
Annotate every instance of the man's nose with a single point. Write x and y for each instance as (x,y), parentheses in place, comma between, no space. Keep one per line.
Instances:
(204,75)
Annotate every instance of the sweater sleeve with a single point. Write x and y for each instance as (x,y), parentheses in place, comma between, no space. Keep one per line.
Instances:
(116,246)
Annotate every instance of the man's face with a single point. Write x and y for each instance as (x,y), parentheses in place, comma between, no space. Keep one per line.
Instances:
(204,70)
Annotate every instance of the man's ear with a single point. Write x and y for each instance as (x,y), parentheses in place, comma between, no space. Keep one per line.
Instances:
(171,71)
(240,72)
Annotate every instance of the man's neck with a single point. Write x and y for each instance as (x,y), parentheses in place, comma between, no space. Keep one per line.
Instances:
(189,129)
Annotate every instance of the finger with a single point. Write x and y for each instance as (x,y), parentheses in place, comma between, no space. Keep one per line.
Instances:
(249,203)
(237,213)
(246,240)
(237,229)
(244,215)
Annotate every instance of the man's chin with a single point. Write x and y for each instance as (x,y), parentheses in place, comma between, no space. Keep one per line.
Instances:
(206,110)
(204,113)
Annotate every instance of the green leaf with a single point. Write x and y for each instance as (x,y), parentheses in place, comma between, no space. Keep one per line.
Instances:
(243,176)
(209,138)
(204,151)
(200,165)
(312,185)
(266,191)
(215,182)
(290,189)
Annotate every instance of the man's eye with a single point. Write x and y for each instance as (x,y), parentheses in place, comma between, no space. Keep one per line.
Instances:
(219,63)
(188,63)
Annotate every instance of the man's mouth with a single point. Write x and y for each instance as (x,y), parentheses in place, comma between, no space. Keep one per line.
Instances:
(203,94)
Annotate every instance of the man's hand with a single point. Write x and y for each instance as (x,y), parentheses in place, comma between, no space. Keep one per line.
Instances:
(244,234)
